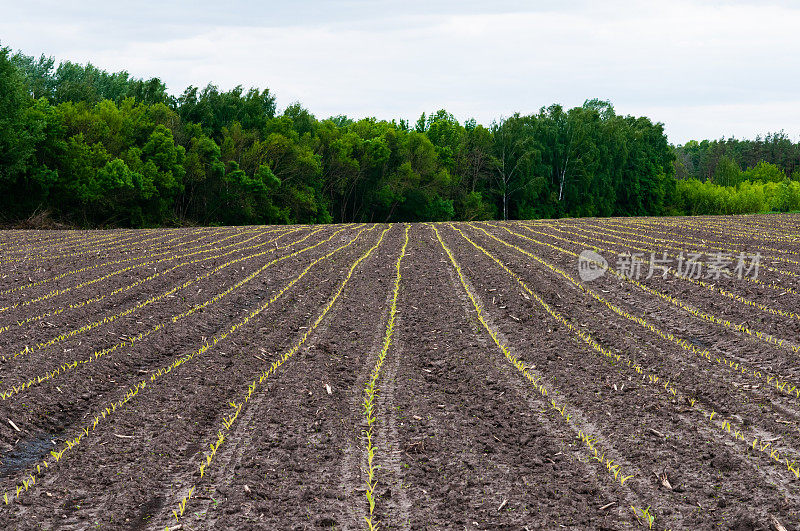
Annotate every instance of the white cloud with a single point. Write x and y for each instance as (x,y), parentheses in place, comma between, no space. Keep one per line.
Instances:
(705,69)
(744,120)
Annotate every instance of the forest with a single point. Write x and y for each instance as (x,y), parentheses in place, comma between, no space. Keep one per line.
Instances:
(92,148)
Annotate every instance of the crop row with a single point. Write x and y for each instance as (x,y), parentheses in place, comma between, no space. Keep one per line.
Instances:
(71,238)
(127,287)
(89,267)
(237,406)
(589,440)
(773,382)
(90,248)
(30,477)
(659,381)
(128,311)
(81,239)
(730,228)
(709,226)
(671,271)
(757,334)
(717,246)
(694,257)
(67,366)
(371,394)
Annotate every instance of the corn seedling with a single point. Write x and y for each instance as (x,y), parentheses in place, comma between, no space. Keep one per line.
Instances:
(129,311)
(644,517)
(714,288)
(371,389)
(616,359)
(615,470)
(206,346)
(773,382)
(64,367)
(229,421)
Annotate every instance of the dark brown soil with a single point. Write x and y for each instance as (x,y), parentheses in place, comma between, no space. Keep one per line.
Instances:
(462,440)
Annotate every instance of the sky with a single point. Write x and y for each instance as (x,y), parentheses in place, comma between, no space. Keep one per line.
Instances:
(706,69)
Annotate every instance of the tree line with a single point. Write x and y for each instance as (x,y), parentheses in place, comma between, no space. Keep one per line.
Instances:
(732,176)
(95,148)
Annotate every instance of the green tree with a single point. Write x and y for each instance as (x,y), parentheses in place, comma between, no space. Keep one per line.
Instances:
(515,154)
(28,131)
(727,172)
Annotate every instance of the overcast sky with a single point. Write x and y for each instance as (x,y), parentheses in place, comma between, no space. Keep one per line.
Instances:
(705,69)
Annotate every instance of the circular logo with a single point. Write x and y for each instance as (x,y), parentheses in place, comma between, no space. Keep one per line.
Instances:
(591,265)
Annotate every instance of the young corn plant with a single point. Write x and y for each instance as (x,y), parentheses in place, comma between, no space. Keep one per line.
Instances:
(236,407)
(618,359)
(161,326)
(371,392)
(130,310)
(614,469)
(182,506)
(644,517)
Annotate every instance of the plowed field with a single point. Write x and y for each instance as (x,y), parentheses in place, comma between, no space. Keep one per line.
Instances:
(407,376)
